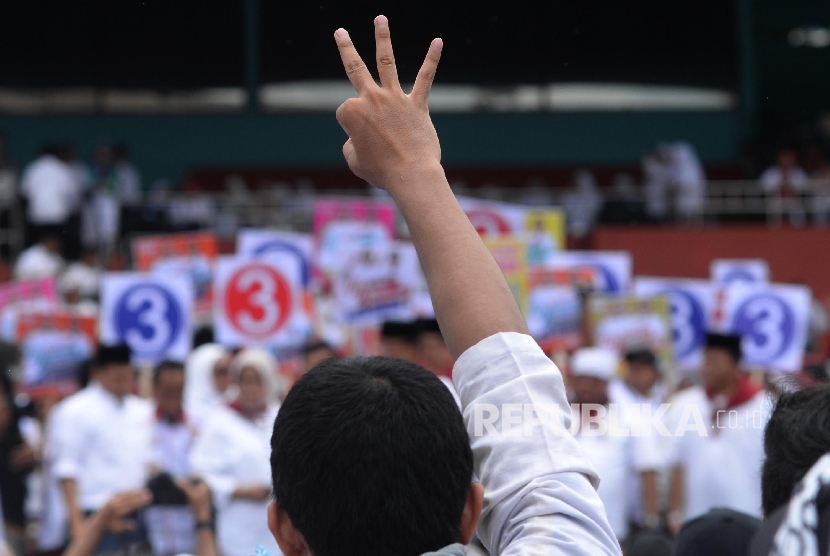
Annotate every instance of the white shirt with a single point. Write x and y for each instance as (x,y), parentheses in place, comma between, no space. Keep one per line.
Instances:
(37,262)
(52,189)
(82,278)
(540,493)
(108,446)
(723,468)
(233,452)
(617,457)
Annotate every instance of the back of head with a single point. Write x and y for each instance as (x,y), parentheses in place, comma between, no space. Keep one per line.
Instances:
(370,456)
(721,532)
(797,435)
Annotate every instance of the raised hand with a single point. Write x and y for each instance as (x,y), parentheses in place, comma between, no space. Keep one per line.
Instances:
(391,136)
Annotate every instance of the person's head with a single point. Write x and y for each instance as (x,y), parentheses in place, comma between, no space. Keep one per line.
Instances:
(168,387)
(51,243)
(591,370)
(221,373)
(371,454)
(114,370)
(433,352)
(797,435)
(254,372)
(314,352)
(722,361)
(399,339)
(641,370)
(721,532)
(90,257)
(787,159)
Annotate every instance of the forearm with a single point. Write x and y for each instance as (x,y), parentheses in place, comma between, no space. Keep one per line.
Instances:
(70,495)
(676,493)
(650,496)
(85,543)
(205,536)
(471,297)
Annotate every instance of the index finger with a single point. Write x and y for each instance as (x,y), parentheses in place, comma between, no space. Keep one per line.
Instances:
(355,68)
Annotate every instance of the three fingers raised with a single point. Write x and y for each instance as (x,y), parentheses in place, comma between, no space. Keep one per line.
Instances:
(383,50)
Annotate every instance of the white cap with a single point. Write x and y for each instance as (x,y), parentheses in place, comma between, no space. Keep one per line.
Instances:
(597,362)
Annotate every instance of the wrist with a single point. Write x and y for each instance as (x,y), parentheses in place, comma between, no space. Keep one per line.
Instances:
(415,179)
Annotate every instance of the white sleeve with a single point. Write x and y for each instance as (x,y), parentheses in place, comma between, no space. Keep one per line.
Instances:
(69,444)
(209,460)
(539,488)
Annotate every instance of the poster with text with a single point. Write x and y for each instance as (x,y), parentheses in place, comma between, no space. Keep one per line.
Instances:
(731,272)
(613,268)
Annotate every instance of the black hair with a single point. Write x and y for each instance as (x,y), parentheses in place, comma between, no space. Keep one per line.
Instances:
(167,365)
(203,335)
(371,454)
(797,435)
(730,343)
(425,326)
(644,356)
(316,345)
(405,331)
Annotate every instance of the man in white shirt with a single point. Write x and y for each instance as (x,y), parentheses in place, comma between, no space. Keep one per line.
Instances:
(41,260)
(170,526)
(53,193)
(717,459)
(616,448)
(785,183)
(108,444)
(370,455)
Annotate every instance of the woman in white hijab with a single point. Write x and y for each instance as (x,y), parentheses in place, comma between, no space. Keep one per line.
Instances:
(207,381)
(232,455)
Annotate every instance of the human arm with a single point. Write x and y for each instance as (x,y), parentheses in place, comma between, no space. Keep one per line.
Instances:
(539,488)
(676,500)
(199,498)
(112,517)
(393,145)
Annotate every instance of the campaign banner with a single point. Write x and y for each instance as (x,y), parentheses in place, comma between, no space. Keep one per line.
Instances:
(150,313)
(772,319)
(55,344)
(189,254)
(730,272)
(510,253)
(342,227)
(379,284)
(613,268)
(554,307)
(690,304)
(632,323)
(258,243)
(44,289)
(545,226)
(258,301)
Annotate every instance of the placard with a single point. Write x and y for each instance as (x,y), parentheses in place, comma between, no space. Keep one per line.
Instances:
(150,313)
(44,289)
(773,321)
(258,301)
(258,243)
(690,304)
(729,272)
(613,268)
(54,345)
(510,253)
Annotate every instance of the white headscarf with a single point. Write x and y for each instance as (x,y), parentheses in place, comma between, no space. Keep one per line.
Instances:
(264,363)
(200,394)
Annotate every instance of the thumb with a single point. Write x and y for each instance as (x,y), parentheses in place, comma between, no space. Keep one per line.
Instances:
(350,155)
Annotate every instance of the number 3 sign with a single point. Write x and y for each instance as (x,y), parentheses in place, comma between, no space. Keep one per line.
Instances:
(151,314)
(773,320)
(256,298)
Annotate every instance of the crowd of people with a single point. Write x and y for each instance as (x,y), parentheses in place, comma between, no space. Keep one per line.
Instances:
(465,438)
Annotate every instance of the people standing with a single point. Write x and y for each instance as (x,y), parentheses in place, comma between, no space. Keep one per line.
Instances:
(232,451)
(51,190)
(97,459)
(207,381)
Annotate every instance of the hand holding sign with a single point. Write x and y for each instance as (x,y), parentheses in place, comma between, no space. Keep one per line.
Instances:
(390,133)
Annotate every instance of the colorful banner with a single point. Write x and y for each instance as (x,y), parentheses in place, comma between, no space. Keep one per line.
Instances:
(772,319)
(379,284)
(690,304)
(30,290)
(510,253)
(629,323)
(191,254)
(730,272)
(259,301)
(554,314)
(613,268)
(150,313)
(54,344)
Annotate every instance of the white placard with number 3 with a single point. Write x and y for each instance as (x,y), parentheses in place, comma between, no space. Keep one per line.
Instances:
(151,313)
